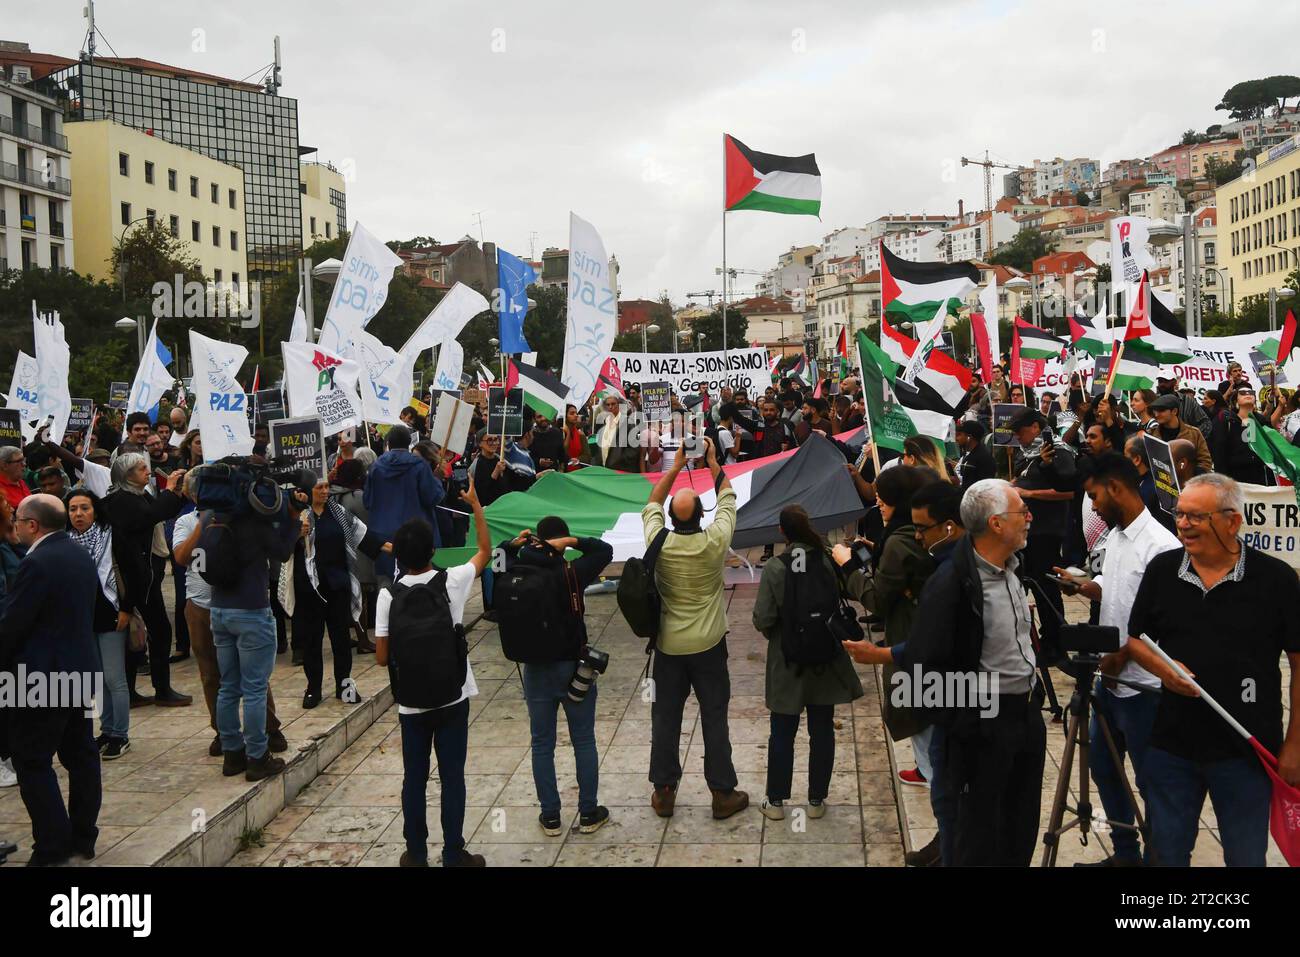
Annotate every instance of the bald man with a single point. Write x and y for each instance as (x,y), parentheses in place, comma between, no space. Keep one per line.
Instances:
(1184,456)
(691,651)
(47,629)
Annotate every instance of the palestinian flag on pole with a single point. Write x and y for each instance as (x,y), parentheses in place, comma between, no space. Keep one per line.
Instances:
(1152,320)
(888,422)
(912,292)
(610,380)
(842,344)
(771,183)
(1036,343)
(1279,350)
(605,504)
(542,391)
(1087,336)
(1138,367)
(796,371)
(1275,452)
(941,387)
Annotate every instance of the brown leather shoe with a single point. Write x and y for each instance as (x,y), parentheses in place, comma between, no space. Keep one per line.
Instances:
(727,803)
(664,799)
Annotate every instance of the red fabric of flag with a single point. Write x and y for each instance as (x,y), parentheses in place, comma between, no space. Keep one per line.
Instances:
(611,377)
(512,375)
(1024,371)
(981,333)
(842,346)
(1284,810)
(1139,317)
(1288,339)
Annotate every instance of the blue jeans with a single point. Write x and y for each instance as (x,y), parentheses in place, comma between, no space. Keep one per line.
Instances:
(245,642)
(545,686)
(921,752)
(1131,720)
(115,708)
(943,798)
(1175,792)
(445,730)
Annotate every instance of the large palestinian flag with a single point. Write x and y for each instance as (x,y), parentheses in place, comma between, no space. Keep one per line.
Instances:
(1087,336)
(542,391)
(912,292)
(1138,367)
(771,183)
(1152,321)
(1036,343)
(941,387)
(605,504)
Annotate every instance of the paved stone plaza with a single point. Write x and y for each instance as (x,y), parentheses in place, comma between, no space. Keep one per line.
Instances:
(339,801)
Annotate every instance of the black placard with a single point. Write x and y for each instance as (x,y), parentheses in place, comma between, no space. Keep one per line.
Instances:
(656,401)
(1003,413)
(1161,463)
(505,412)
(302,440)
(11,428)
(118,394)
(270,405)
(83,412)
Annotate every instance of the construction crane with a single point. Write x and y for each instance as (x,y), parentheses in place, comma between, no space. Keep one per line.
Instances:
(709,294)
(989,167)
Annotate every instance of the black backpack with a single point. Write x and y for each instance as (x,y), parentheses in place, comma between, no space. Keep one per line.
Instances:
(427,652)
(539,612)
(220,553)
(814,615)
(638,594)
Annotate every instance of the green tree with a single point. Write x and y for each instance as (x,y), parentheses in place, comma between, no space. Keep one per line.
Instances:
(1221,171)
(1021,252)
(415,242)
(1246,100)
(711,328)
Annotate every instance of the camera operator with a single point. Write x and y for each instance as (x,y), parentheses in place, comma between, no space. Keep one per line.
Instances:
(977,625)
(243,627)
(546,684)
(1135,539)
(691,651)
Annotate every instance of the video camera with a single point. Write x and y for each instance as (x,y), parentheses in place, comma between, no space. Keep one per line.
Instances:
(239,485)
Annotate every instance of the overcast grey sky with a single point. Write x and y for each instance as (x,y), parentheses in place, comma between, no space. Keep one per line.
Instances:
(616,110)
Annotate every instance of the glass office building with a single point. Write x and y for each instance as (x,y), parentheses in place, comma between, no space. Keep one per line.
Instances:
(234,122)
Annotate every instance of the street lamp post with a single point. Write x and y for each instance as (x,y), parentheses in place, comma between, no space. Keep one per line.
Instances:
(126,324)
(1273,296)
(121,257)
(644,329)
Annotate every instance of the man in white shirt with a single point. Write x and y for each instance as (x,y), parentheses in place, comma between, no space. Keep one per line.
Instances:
(444,728)
(1135,538)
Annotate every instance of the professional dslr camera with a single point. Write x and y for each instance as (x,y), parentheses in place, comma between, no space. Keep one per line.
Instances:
(237,485)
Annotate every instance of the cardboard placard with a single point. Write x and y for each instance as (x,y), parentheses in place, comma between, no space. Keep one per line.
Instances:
(656,401)
(118,394)
(1161,463)
(83,411)
(11,428)
(451,424)
(506,412)
(473,396)
(302,440)
(1003,413)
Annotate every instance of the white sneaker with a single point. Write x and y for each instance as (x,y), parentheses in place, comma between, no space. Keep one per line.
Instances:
(8,778)
(772,810)
(816,809)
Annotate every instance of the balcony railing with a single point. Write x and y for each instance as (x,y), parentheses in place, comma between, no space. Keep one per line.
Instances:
(34,177)
(56,229)
(36,134)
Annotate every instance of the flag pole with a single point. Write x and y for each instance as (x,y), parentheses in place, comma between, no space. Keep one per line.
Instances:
(724,258)
(1114,366)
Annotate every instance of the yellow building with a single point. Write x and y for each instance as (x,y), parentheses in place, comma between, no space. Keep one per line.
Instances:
(324,202)
(125,176)
(1259,213)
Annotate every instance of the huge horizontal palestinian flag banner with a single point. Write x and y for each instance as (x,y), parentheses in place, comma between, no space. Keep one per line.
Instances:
(605,504)
(771,183)
(912,292)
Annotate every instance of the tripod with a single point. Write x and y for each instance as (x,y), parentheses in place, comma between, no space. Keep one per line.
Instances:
(1084,669)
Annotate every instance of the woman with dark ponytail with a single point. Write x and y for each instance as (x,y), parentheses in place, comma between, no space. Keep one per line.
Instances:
(805,569)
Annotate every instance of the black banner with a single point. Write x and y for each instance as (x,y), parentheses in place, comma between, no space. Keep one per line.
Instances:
(1161,463)
(302,440)
(505,412)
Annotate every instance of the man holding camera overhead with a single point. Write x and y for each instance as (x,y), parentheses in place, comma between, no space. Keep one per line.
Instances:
(691,651)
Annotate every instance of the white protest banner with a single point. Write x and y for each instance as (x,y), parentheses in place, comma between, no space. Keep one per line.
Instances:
(451,365)
(1272,521)
(684,371)
(592,313)
(300,332)
(52,357)
(451,424)
(220,397)
(448,318)
(22,387)
(359,291)
(320,383)
(153,378)
(1128,252)
(386,380)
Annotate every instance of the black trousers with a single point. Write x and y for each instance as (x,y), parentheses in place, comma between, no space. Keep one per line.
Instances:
(821,752)
(182,628)
(156,623)
(996,772)
(1039,556)
(38,734)
(311,618)
(675,676)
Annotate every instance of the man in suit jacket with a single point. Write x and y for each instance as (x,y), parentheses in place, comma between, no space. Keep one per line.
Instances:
(47,629)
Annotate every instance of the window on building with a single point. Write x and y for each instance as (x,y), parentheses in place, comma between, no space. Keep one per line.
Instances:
(216,275)
(148,172)
(216,235)
(55,251)
(194,186)
(174,225)
(234,240)
(327,230)
(194,230)
(126,214)
(234,280)
(216,193)
(313,225)
(171,180)
(231,197)
(123,164)
(152,216)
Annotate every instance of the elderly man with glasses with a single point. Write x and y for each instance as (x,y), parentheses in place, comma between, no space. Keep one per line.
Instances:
(1227,613)
(12,468)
